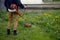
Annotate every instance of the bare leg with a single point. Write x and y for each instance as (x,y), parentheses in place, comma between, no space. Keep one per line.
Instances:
(9,23)
(15,17)
(9,20)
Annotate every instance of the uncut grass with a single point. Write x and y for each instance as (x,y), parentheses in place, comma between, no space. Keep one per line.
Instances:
(45,26)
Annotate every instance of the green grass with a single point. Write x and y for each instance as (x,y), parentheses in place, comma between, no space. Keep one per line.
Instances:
(45,26)
(56,0)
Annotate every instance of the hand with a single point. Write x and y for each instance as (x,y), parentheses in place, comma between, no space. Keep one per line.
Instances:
(20,13)
(25,7)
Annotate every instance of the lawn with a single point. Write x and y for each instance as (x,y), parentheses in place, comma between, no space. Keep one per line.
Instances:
(45,25)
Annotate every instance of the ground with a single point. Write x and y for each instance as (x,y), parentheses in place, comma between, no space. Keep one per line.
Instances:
(45,26)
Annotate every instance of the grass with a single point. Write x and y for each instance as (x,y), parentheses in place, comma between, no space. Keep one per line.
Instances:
(45,26)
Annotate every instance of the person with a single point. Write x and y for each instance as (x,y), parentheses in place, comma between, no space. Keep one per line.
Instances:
(10,4)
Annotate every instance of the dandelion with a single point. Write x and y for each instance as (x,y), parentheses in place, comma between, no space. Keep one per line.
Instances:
(21,19)
(45,14)
(49,15)
(56,16)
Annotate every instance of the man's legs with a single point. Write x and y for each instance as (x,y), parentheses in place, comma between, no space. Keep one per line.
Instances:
(10,20)
(9,23)
(15,18)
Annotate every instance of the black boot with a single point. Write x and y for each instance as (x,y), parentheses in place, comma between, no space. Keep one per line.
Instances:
(15,32)
(8,31)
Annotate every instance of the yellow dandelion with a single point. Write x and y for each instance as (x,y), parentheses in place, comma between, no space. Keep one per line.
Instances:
(49,15)
(45,14)
(21,19)
(56,16)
